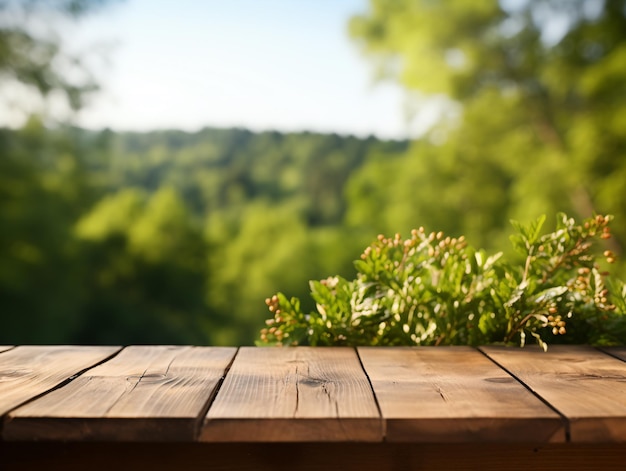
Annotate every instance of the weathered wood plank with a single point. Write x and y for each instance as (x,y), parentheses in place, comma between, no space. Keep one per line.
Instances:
(454,394)
(146,393)
(294,394)
(617,352)
(587,386)
(28,371)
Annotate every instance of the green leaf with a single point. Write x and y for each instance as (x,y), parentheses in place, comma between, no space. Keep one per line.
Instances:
(549,294)
(534,229)
(519,243)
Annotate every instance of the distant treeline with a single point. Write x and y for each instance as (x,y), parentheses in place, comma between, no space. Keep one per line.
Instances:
(168,237)
(175,237)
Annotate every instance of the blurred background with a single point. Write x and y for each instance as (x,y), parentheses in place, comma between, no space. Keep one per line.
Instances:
(166,166)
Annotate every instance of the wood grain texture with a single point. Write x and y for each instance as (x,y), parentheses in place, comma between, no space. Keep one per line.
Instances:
(585,385)
(294,394)
(454,394)
(146,393)
(617,352)
(28,371)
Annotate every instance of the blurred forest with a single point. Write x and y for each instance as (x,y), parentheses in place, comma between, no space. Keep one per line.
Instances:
(174,237)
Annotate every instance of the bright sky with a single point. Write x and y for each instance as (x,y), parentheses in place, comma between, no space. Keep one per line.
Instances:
(260,64)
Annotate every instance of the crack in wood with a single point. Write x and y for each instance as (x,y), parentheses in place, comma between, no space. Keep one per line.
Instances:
(441,393)
(295,412)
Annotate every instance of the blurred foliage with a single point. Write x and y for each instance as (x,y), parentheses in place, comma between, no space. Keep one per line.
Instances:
(43,190)
(174,237)
(435,290)
(541,119)
(166,237)
(32,56)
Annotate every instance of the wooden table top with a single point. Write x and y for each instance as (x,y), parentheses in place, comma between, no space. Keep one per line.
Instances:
(302,394)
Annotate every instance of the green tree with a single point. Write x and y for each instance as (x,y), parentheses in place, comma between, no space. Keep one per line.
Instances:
(43,189)
(34,59)
(542,105)
(46,180)
(143,270)
(270,247)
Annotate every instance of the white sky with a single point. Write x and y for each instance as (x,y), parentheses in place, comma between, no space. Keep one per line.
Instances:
(260,64)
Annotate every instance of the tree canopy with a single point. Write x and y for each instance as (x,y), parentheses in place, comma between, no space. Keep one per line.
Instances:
(33,61)
(540,86)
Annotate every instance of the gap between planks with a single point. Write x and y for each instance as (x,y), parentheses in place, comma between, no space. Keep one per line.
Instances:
(587,387)
(144,393)
(564,419)
(294,394)
(56,367)
(454,395)
(586,433)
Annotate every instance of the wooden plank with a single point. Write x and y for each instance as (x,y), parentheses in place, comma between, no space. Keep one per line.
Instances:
(617,352)
(294,394)
(28,371)
(454,394)
(587,386)
(146,393)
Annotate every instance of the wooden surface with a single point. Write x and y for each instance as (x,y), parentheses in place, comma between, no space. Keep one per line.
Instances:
(617,352)
(455,394)
(28,371)
(586,386)
(144,393)
(294,394)
(226,396)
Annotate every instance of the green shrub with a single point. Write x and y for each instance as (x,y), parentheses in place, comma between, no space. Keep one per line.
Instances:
(435,290)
